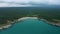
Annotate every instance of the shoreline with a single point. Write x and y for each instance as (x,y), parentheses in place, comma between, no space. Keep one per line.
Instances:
(51,23)
(24,18)
(11,23)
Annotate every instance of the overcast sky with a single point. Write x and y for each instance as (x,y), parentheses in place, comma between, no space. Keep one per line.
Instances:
(26,3)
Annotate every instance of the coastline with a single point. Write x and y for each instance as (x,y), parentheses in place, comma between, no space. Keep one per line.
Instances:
(51,23)
(11,23)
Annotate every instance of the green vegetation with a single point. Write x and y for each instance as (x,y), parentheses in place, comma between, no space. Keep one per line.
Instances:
(14,13)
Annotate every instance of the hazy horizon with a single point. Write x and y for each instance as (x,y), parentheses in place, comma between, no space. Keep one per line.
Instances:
(28,3)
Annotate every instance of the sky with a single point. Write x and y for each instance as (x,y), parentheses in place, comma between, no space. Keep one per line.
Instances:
(27,3)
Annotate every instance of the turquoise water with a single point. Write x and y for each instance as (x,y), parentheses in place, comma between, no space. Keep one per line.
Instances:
(31,26)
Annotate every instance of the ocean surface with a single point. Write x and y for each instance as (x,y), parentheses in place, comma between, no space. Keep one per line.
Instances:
(31,26)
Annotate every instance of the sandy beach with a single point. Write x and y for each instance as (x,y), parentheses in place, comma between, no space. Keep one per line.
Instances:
(9,25)
(24,18)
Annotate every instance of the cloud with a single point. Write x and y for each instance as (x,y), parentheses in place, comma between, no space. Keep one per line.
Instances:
(26,3)
(13,5)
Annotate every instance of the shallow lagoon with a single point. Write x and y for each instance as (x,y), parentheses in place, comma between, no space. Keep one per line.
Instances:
(31,26)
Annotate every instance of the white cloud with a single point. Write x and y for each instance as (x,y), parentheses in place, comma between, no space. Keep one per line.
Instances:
(13,5)
(25,3)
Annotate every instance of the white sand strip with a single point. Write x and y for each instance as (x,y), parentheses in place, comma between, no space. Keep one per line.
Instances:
(23,18)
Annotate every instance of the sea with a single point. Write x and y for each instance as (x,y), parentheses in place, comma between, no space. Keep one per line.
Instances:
(31,26)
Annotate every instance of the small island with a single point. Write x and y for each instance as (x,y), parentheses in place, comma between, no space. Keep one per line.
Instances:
(11,15)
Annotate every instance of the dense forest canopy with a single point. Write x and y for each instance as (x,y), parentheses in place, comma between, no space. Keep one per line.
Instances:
(12,13)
